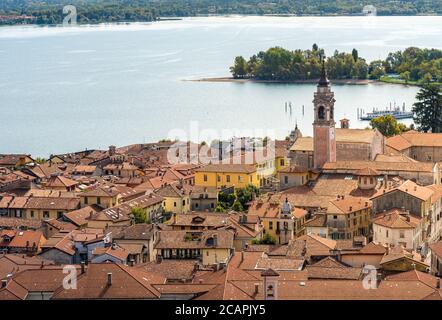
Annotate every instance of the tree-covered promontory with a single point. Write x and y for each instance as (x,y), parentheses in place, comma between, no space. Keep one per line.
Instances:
(410,66)
(280,64)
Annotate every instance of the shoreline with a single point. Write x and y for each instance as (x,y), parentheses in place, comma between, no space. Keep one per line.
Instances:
(312,81)
(356,82)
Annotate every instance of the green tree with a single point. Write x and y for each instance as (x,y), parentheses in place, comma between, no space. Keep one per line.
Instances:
(40,160)
(405,76)
(139,215)
(376,70)
(387,125)
(237,206)
(428,109)
(219,208)
(266,239)
(239,68)
(355,55)
(244,195)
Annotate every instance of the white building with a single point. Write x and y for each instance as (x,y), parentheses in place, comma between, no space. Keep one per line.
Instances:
(396,227)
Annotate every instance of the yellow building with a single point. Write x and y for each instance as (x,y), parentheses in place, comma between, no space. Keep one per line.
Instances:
(348,217)
(106,197)
(211,246)
(279,219)
(176,198)
(227,175)
(43,208)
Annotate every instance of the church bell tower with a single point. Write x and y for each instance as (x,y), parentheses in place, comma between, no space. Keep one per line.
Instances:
(324,135)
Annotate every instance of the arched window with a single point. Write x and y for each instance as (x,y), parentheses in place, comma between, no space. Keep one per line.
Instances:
(331,113)
(321,113)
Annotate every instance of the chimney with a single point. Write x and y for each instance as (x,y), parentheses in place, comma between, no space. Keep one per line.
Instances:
(112,150)
(438,283)
(82,267)
(109,279)
(4,283)
(131,262)
(242,257)
(385,181)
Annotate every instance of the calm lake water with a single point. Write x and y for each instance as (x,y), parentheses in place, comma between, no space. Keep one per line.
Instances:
(66,89)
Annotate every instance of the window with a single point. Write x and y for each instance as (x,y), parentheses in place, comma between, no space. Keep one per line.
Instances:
(59,214)
(184,202)
(85,200)
(270,225)
(240,179)
(402,234)
(205,178)
(196,205)
(219,178)
(386,233)
(212,205)
(32,214)
(321,113)
(46,214)
(251,179)
(174,203)
(98,200)
(228,178)
(286,179)
(281,162)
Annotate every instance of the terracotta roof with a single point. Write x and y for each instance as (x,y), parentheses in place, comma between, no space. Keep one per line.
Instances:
(127,283)
(379,166)
(368,172)
(373,248)
(52,203)
(411,188)
(398,143)
(140,231)
(13,291)
(236,168)
(399,252)
(202,239)
(17,223)
(348,205)
(415,139)
(396,219)
(13,263)
(279,264)
(46,279)
(116,252)
(80,217)
(318,220)
(60,181)
(101,191)
(199,219)
(436,248)
(303,144)
(329,268)
(172,270)
(294,169)
(22,239)
(62,226)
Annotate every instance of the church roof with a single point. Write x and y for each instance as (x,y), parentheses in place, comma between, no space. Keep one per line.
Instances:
(364,136)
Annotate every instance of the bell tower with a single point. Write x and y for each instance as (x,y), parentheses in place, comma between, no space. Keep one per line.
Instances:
(324,136)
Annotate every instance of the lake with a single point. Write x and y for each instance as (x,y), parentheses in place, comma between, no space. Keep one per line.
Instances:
(67,89)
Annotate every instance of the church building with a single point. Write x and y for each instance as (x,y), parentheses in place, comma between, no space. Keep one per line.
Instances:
(331,144)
